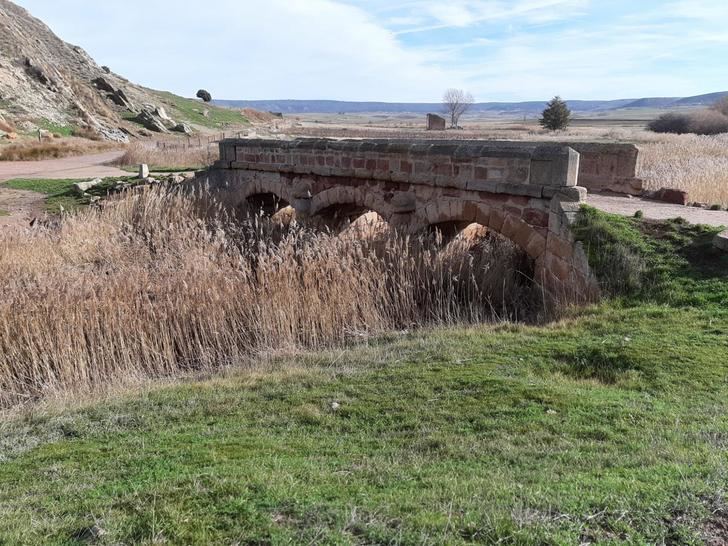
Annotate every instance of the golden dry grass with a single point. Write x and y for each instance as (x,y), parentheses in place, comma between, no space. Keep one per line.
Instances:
(696,164)
(173,155)
(144,288)
(32,150)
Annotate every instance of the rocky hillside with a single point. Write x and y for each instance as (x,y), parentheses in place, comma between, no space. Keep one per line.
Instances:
(46,83)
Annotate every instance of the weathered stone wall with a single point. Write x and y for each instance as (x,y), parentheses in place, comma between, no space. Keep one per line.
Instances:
(608,167)
(436,123)
(527,194)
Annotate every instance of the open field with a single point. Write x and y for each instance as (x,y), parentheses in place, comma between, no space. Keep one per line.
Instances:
(607,426)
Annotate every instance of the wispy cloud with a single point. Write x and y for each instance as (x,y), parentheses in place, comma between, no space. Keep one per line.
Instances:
(406,50)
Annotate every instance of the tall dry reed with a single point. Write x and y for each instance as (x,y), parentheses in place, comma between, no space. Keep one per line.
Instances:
(169,155)
(696,164)
(145,288)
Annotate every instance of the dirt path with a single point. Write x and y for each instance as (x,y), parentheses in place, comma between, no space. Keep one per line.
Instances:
(86,166)
(18,207)
(656,210)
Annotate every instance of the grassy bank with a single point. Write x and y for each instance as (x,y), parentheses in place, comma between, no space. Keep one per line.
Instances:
(59,192)
(607,427)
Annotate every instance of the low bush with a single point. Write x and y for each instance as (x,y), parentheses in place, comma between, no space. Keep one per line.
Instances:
(678,124)
(713,121)
(708,122)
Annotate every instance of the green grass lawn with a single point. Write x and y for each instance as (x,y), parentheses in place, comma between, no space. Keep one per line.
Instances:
(60,192)
(607,427)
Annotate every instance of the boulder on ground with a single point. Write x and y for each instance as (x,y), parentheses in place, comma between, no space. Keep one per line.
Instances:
(204,95)
(182,128)
(160,112)
(668,195)
(151,121)
(80,188)
(721,241)
(103,84)
(143,171)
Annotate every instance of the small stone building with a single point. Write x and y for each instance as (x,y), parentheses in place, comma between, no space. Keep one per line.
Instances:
(436,123)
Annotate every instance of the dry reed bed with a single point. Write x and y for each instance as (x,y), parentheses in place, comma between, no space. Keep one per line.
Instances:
(144,288)
(696,164)
(32,150)
(169,155)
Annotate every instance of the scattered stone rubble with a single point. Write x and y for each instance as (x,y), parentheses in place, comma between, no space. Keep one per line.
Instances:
(144,180)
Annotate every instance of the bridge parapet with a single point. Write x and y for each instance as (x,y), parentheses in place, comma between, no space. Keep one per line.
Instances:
(533,171)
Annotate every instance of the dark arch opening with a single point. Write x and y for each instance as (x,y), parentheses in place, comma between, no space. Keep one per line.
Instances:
(266,204)
(447,232)
(351,219)
(487,248)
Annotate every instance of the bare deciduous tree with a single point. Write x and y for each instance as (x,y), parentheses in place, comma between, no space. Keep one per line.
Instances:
(456,103)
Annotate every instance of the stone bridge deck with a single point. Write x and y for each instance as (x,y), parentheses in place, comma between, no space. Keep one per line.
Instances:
(527,193)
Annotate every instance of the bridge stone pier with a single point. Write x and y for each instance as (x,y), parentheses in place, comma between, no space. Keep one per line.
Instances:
(526,193)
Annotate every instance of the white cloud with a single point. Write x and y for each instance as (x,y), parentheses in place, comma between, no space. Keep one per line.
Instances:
(378,50)
(244,49)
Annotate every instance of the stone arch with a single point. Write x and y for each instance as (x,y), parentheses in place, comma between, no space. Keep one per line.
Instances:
(268,195)
(351,198)
(500,220)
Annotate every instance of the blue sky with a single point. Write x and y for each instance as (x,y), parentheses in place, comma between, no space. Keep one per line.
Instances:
(404,50)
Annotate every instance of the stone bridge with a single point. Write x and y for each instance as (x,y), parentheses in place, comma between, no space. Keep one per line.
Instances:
(527,193)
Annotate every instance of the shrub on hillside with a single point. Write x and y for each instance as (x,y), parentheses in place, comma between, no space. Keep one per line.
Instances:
(678,124)
(708,122)
(721,106)
(713,121)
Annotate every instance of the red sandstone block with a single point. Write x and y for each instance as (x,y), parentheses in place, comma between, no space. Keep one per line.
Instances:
(559,247)
(383,165)
(513,211)
(481,173)
(497,217)
(330,162)
(250,158)
(371,164)
(536,245)
(470,211)
(359,163)
(536,217)
(320,161)
(443,169)
(522,235)
(346,162)
(405,166)
(676,197)
(558,267)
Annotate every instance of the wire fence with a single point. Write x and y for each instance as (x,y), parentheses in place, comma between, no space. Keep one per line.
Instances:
(197,142)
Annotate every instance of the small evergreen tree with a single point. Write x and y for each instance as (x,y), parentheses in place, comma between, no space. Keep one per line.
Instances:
(557,115)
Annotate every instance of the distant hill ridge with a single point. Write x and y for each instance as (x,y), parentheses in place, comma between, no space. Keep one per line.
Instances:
(528,107)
